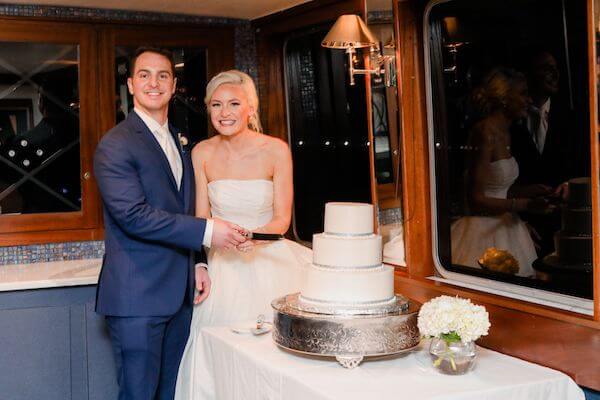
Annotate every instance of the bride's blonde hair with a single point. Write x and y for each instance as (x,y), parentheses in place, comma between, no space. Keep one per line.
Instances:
(236,77)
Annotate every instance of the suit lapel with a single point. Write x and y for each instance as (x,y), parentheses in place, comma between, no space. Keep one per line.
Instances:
(151,142)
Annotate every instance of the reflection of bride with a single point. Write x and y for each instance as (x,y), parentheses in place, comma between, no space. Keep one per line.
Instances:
(493,219)
(244,177)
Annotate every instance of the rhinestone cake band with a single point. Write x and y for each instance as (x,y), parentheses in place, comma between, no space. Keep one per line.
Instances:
(333,267)
(302,303)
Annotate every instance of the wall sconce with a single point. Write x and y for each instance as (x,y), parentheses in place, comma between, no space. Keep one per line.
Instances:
(455,38)
(350,33)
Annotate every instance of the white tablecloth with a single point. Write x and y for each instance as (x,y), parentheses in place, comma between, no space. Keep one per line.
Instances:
(253,367)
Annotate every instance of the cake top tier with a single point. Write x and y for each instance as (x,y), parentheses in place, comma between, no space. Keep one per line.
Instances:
(349,218)
(580,192)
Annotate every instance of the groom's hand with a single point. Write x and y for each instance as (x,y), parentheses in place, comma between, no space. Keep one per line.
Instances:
(227,235)
(202,285)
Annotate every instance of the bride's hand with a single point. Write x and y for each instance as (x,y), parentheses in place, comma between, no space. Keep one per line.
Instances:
(226,234)
(247,246)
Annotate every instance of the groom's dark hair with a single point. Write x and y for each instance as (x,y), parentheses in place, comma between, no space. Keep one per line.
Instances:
(150,49)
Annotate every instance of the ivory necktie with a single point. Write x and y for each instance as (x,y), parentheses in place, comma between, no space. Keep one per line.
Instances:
(168,144)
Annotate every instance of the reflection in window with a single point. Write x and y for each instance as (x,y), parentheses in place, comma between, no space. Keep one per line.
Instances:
(39,128)
(187,111)
(384,107)
(511,134)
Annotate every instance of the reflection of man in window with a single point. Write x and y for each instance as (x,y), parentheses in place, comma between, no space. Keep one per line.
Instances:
(544,143)
(538,140)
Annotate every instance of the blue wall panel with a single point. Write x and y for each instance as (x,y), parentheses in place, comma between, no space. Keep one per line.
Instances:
(53,346)
(35,348)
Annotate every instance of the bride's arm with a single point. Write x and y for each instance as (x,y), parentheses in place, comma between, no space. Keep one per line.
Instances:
(283,189)
(199,154)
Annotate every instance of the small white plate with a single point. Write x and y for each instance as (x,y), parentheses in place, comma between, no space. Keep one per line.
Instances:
(249,329)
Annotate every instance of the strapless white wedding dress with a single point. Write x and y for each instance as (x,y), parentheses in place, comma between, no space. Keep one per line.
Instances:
(472,235)
(243,284)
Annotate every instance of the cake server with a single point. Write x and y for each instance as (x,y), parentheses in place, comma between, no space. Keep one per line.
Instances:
(264,236)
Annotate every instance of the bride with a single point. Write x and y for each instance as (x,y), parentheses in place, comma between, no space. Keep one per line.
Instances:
(245,177)
(493,199)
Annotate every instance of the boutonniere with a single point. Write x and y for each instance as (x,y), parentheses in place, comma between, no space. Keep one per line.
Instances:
(183,140)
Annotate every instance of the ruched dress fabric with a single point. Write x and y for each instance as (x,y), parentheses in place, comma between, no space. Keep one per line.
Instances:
(243,284)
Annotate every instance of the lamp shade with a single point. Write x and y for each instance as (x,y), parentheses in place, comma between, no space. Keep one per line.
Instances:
(454,30)
(349,31)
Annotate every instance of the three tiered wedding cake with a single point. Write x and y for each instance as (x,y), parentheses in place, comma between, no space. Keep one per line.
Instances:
(347,274)
(346,307)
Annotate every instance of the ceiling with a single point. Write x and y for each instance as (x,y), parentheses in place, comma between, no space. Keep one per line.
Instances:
(244,9)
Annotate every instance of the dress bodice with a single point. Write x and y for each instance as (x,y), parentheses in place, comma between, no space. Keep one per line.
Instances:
(501,174)
(247,203)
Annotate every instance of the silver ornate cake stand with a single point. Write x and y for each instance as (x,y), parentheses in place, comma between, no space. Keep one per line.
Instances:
(348,338)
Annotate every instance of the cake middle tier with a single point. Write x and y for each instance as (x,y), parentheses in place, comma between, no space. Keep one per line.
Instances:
(358,286)
(346,251)
(577,221)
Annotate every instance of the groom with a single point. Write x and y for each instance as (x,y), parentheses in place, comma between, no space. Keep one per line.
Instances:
(146,287)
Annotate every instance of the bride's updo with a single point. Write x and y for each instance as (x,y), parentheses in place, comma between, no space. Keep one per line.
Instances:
(235,77)
(495,91)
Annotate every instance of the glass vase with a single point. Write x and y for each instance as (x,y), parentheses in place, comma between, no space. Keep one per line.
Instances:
(454,358)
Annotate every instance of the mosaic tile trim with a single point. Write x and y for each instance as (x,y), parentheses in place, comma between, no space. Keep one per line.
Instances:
(51,252)
(102,14)
(390,216)
(245,47)
(245,50)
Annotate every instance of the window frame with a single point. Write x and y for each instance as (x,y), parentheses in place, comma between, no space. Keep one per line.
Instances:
(443,275)
(84,224)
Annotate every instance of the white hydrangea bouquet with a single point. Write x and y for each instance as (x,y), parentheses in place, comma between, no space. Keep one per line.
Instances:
(456,323)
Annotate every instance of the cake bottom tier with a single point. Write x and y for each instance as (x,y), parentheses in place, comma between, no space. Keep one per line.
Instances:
(574,249)
(355,287)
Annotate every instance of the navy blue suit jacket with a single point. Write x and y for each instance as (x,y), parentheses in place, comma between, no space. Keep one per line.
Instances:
(150,233)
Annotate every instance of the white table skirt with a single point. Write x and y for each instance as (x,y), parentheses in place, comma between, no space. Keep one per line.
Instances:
(253,367)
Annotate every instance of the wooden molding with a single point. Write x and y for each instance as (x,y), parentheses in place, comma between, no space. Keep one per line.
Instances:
(595,150)
(57,236)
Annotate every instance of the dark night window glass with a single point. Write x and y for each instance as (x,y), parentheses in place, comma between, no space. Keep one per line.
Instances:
(328,130)
(496,69)
(39,128)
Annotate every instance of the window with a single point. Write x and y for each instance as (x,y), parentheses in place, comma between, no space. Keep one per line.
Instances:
(327,128)
(39,137)
(509,134)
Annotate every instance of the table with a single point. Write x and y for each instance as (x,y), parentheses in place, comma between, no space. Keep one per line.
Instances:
(253,367)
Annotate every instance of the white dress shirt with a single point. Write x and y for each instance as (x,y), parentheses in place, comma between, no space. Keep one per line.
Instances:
(169,147)
(537,123)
